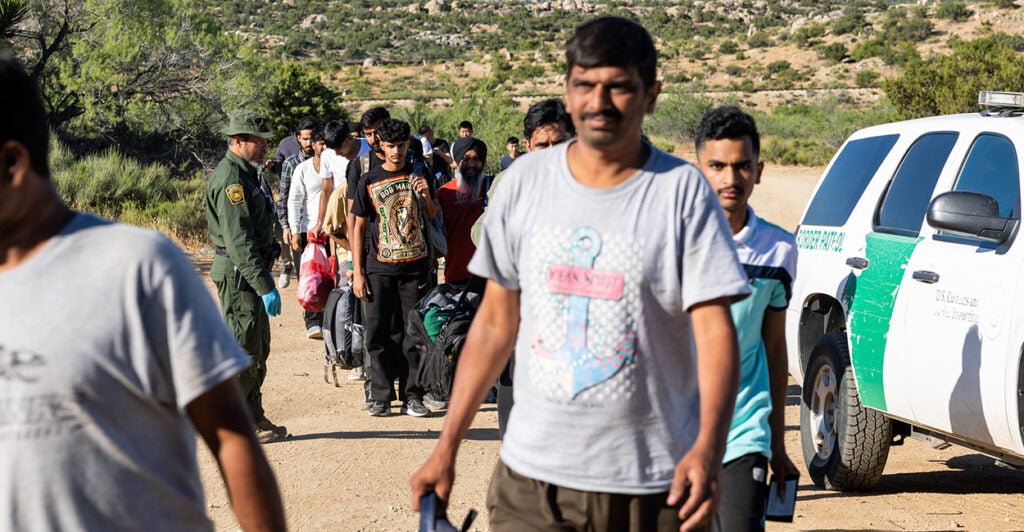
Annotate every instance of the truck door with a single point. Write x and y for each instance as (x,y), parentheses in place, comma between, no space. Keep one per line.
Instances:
(957,306)
(875,328)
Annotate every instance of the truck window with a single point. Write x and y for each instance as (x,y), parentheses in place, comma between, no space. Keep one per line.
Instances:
(846,180)
(991,168)
(906,200)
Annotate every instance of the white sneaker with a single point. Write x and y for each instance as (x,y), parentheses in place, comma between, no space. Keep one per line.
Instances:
(284,279)
(357,374)
(315,333)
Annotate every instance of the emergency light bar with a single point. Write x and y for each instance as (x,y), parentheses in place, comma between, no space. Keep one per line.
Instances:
(1001,99)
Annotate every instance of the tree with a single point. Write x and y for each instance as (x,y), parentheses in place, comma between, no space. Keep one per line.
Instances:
(950,83)
(297,92)
(12,13)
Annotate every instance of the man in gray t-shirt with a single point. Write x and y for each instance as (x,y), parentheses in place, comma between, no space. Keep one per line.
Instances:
(112,357)
(612,263)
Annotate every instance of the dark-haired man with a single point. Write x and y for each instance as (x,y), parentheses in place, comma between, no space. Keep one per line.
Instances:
(391,207)
(512,147)
(99,420)
(289,257)
(618,425)
(728,147)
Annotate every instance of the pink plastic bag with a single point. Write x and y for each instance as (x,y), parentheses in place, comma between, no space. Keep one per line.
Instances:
(317,278)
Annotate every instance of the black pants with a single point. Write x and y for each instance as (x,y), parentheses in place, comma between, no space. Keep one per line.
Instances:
(309,317)
(744,494)
(391,355)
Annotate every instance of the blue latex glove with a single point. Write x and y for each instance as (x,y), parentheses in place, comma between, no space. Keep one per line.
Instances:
(272,302)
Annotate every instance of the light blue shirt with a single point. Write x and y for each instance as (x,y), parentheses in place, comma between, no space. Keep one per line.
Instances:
(768,255)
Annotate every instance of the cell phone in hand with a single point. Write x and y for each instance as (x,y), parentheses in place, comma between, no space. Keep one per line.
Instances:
(781,508)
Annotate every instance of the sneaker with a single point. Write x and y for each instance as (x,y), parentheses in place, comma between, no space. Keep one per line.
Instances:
(492,396)
(430,401)
(380,409)
(315,333)
(267,432)
(284,279)
(357,374)
(366,404)
(415,408)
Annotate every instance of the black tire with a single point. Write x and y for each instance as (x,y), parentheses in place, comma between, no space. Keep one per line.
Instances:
(845,445)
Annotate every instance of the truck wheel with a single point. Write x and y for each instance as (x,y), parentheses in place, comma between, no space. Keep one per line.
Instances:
(845,445)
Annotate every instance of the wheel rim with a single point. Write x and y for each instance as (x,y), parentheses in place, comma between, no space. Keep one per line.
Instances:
(823,412)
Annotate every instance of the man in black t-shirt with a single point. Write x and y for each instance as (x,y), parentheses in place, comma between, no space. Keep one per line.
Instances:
(391,206)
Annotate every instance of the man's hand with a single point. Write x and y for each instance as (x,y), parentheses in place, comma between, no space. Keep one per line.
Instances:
(437,475)
(782,469)
(286,235)
(296,242)
(361,287)
(419,184)
(696,486)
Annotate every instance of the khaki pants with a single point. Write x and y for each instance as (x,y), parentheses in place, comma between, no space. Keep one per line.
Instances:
(520,503)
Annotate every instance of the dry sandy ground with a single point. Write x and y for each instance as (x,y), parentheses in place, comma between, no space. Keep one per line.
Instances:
(343,470)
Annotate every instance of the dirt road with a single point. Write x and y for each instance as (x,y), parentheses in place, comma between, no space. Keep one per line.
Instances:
(343,470)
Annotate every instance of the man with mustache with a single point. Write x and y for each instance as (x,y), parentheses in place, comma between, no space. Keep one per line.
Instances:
(728,146)
(610,268)
(462,203)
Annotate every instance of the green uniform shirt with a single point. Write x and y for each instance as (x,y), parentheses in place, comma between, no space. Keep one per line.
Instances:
(240,220)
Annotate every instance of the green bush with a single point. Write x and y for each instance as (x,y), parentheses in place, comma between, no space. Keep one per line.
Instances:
(956,11)
(121,188)
(677,115)
(950,83)
(728,47)
(759,39)
(834,52)
(866,78)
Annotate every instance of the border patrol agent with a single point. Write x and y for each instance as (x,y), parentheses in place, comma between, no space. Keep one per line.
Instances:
(240,215)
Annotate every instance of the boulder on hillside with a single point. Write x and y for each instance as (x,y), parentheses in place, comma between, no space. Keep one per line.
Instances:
(313,21)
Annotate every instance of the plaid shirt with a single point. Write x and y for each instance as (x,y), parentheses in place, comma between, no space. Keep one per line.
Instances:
(287,169)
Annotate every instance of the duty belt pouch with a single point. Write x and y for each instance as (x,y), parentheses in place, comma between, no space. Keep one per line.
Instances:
(240,283)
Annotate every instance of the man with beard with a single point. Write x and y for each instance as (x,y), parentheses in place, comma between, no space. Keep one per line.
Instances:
(462,203)
(240,216)
(289,258)
(391,203)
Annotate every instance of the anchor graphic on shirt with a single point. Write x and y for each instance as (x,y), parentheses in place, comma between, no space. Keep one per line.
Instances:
(575,368)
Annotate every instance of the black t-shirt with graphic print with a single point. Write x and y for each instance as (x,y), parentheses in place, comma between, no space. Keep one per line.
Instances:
(394,218)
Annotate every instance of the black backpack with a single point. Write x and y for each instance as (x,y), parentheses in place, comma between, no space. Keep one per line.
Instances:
(343,331)
(438,357)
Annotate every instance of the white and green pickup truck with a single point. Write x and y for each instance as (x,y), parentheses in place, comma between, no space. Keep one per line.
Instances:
(907,315)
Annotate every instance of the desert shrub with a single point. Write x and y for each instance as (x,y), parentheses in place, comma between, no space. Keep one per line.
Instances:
(114,186)
(759,39)
(834,52)
(866,78)
(728,47)
(677,115)
(956,11)
(950,83)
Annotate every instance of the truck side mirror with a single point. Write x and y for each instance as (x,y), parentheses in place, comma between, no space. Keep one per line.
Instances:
(970,214)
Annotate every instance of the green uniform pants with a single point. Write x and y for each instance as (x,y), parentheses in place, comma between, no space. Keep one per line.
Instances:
(247,319)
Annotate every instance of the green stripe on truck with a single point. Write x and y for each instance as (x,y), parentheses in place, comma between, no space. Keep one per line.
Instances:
(871,311)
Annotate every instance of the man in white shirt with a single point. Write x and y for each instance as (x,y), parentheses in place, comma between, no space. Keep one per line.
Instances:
(303,200)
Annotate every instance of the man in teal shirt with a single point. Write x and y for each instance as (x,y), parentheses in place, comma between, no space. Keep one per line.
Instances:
(728,147)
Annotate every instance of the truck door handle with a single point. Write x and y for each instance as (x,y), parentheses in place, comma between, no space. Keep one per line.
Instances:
(926,276)
(857,262)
